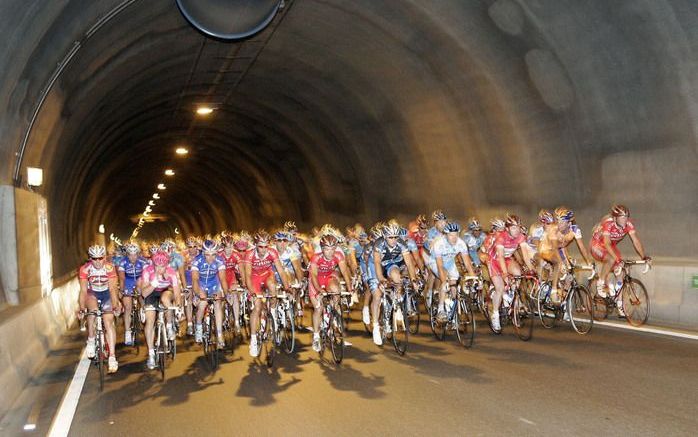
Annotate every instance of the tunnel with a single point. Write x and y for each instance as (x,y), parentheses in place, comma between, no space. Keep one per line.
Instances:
(126,119)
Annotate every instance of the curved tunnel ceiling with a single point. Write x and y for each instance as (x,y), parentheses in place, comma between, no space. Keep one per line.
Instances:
(355,110)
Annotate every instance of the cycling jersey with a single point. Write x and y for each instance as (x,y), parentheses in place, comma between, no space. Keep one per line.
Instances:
(287,257)
(208,272)
(615,232)
(474,243)
(176,261)
(410,243)
(390,255)
(509,243)
(97,278)
(231,266)
(326,270)
(448,252)
(132,272)
(164,281)
(188,260)
(431,234)
(261,265)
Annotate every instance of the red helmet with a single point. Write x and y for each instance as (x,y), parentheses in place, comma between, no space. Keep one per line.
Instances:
(328,241)
(261,238)
(227,240)
(545,217)
(619,210)
(513,220)
(160,258)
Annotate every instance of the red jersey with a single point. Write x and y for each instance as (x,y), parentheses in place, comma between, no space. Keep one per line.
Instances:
(97,279)
(615,232)
(488,243)
(418,238)
(261,265)
(231,265)
(509,243)
(326,266)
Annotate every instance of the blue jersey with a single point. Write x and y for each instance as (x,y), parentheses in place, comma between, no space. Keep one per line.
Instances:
(208,273)
(176,261)
(132,271)
(431,235)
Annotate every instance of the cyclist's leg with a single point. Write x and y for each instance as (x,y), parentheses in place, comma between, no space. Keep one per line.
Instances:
(218,305)
(127,302)
(91,304)
(150,315)
(110,328)
(188,305)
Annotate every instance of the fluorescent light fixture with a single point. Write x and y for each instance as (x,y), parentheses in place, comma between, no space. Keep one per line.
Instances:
(181,151)
(151,203)
(156,196)
(146,213)
(177,231)
(148,208)
(30,427)
(204,110)
(101,229)
(35,176)
(169,172)
(161,186)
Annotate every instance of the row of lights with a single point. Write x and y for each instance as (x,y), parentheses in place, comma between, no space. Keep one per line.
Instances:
(180,151)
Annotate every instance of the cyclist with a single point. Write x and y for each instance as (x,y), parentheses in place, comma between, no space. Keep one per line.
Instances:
(442,262)
(497,226)
(98,282)
(259,272)
(323,275)
(390,257)
(568,232)
(439,219)
(176,260)
(502,265)
(290,257)
(157,281)
(130,270)
(604,244)
(193,251)
(418,232)
(474,239)
(208,280)
(370,278)
(232,258)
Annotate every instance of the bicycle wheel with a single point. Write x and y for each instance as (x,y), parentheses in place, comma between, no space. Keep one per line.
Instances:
(160,350)
(413,313)
(636,302)
(400,324)
(135,327)
(269,340)
(580,309)
(213,342)
(547,311)
(465,322)
(523,316)
(99,357)
(336,336)
(289,334)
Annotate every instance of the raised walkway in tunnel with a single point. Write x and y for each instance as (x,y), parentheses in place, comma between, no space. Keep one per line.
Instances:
(611,382)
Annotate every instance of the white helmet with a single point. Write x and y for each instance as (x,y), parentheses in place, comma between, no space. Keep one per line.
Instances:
(97,251)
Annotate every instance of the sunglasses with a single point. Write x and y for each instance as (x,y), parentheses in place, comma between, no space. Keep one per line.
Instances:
(261,246)
(98,259)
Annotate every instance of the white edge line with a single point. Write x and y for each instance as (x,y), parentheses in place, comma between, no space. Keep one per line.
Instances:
(646,329)
(69,404)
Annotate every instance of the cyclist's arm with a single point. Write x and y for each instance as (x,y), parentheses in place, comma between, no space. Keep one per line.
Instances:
(82,297)
(114,292)
(443,277)
(465,257)
(607,245)
(313,277)
(181,275)
(527,255)
(501,261)
(583,250)
(282,273)
(346,274)
(351,260)
(379,267)
(177,289)
(246,274)
(195,284)
(122,281)
(419,263)
(637,244)
(410,265)
(224,281)
(297,269)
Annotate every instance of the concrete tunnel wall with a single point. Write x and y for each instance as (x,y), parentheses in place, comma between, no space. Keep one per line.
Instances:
(356,110)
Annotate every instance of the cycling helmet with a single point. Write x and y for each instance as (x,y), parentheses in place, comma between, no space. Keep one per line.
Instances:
(132,249)
(290,226)
(160,258)
(546,217)
(452,227)
(403,232)
(513,220)
(209,247)
(168,246)
(241,244)
(438,215)
(376,232)
(261,238)
(227,240)
(563,213)
(193,242)
(281,236)
(391,230)
(153,248)
(422,221)
(362,235)
(328,241)
(474,224)
(497,224)
(619,210)
(97,251)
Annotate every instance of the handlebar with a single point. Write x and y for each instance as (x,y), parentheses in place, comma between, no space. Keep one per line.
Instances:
(636,262)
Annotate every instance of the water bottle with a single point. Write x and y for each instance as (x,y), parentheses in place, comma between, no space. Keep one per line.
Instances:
(508,298)
(449,304)
(263,323)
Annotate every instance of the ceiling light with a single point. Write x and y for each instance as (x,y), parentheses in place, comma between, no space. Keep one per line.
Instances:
(181,151)
(204,110)
(35,176)
(161,186)
(169,172)
(101,229)
(156,196)
(146,213)
(151,203)
(148,208)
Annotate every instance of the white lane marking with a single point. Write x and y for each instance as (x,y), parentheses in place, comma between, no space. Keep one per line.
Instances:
(647,329)
(526,421)
(434,381)
(69,403)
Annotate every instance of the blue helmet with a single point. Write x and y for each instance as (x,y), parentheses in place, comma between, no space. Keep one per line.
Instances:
(452,227)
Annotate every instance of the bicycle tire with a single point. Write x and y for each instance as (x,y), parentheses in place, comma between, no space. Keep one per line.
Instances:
(336,336)
(289,337)
(401,331)
(135,327)
(580,309)
(523,317)
(99,356)
(465,322)
(270,340)
(547,311)
(160,350)
(213,344)
(636,302)
(413,314)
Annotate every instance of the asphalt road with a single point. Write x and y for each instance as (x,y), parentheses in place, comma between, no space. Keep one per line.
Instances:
(610,382)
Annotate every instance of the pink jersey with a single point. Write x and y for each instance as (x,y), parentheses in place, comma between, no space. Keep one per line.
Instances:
(97,279)
(509,243)
(615,232)
(326,266)
(166,280)
(261,265)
